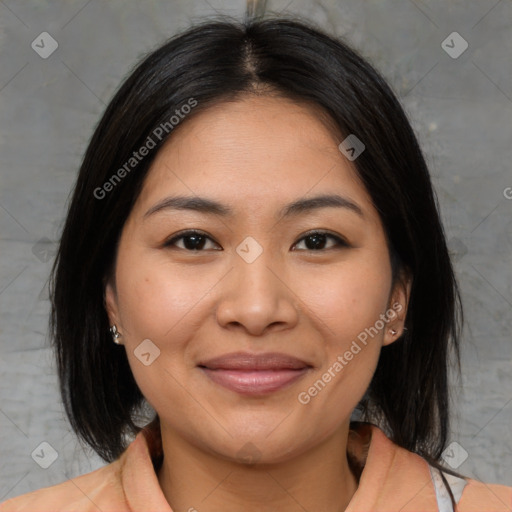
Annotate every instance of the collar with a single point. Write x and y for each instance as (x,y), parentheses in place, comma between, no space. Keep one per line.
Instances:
(390,477)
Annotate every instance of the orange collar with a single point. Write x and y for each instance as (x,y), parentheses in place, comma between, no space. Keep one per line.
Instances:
(391,478)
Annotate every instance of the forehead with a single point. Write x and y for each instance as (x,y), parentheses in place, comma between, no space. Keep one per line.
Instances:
(260,151)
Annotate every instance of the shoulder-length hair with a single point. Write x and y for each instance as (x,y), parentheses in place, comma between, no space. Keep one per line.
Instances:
(208,64)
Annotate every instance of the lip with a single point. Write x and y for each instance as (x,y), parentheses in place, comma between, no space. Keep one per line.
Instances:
(254,374)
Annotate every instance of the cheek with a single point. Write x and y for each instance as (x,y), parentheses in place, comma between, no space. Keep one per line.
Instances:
(160,301)
(346,308)
(157,302)
(146,303)
(347,300)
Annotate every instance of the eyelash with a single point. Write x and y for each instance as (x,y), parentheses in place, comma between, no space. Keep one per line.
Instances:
(340,242)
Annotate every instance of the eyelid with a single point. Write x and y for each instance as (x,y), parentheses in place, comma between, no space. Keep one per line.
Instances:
(318,231)
(187,232)
(340,241)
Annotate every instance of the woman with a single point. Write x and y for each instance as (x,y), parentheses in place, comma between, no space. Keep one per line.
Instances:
(253,248)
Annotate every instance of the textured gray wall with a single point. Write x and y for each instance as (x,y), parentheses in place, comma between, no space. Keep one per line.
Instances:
(461,109)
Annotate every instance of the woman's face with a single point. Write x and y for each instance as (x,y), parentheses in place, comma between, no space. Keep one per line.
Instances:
(256,283)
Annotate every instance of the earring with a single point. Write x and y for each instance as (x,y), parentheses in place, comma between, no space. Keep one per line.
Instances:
(115,335)
(392,331)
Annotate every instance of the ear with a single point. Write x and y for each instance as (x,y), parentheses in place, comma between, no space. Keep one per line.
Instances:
(397,307)
(110,303)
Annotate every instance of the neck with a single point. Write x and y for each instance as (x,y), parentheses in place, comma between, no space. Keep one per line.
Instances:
(318,479)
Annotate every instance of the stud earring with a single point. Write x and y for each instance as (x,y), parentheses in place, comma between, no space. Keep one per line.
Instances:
(115,335)
(392,331)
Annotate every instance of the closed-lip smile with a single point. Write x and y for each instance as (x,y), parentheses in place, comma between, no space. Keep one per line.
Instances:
(254,374)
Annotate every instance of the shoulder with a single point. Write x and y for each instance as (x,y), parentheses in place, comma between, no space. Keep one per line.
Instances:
(98,490)
(482,497)
(469,494)
(107,489)
(405,481)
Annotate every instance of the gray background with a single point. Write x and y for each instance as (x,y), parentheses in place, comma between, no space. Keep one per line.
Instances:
(460,108)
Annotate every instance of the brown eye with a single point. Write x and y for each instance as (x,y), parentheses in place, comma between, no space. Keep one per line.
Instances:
(192,240)
(317,240)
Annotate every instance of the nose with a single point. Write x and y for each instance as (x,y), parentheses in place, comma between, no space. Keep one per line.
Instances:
(257,297)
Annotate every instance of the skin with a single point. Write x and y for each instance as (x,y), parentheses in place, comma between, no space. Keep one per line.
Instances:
(254,155)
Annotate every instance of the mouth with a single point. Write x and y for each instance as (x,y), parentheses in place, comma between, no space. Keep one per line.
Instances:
(254,374)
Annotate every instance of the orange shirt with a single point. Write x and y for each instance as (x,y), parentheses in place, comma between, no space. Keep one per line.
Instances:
(392,479)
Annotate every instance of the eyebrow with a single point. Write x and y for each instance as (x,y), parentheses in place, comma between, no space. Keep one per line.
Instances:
(209,206)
